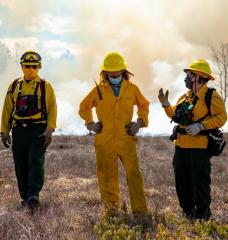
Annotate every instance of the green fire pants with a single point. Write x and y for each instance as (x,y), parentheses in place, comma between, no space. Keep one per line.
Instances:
(28,153)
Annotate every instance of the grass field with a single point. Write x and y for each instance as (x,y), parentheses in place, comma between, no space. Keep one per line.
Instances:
(71,205)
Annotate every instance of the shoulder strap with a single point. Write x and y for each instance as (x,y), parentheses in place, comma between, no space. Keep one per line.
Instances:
(14,85)
(36,89)
(19,92)
(208,97)
(43,99)
(98,91)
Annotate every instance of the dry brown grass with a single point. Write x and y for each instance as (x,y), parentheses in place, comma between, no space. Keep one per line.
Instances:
(70,198)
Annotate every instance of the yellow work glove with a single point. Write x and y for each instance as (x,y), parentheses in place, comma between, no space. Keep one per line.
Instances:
(47,134)
(6,140)
(163,98)
(95,127)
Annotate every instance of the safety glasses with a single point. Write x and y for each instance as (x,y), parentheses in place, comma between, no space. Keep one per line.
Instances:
(31,66)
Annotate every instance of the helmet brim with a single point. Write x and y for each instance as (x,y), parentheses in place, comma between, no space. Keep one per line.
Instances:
(31,63)
(203,74)
(113,69)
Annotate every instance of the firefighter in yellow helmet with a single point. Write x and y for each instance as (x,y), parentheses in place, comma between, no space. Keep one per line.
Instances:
(198,112)
(30,112)
(114,99)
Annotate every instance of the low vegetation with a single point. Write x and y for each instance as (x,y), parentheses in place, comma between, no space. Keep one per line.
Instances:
(71,206)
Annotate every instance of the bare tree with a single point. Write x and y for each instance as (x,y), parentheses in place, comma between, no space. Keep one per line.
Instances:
(220,56)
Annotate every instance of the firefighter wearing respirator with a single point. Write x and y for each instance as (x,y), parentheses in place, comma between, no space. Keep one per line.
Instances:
(114,99)
(198,112)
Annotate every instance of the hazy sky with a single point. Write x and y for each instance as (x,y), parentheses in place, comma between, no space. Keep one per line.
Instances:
(157,38)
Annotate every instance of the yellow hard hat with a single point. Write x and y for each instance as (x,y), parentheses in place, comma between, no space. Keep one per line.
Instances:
(200,67)
(31,57)
(113,62)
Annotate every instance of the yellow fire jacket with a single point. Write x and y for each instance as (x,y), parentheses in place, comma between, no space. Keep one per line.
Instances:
(216,120)
(114,112)
(28,89)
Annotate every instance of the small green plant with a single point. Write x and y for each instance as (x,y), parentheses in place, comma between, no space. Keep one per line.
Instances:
(158,226)
(113,228)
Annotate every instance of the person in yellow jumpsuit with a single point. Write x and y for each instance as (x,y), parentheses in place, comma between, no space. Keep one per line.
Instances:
(30,112)
(114,98)
(191,162)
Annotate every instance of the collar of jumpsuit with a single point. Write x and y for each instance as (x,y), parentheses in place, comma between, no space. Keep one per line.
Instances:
(28,81)
(36,79)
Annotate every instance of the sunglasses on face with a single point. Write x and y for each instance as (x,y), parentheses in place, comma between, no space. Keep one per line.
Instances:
(31,66)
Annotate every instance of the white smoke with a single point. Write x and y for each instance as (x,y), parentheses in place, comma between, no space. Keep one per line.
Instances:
(157,38)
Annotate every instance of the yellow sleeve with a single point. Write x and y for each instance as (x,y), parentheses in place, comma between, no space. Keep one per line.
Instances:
(7,111)
(143,106)
(218,113)
(85,108)
(170,110)
(51,106)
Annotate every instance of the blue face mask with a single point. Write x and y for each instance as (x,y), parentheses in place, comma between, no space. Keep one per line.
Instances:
(115,80)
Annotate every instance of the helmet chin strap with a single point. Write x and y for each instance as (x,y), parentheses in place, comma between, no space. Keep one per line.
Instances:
(194,87)
(194,84)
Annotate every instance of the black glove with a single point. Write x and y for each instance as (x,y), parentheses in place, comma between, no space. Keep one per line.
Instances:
(6,140)
(133,127)
(47,134)
(95,127)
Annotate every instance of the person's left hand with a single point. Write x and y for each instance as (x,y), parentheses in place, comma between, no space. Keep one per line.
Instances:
(194,128)
(47,136)
(133,127)
(163,98)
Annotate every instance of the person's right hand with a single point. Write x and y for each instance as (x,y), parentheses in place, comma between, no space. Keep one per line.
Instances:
(163,98)
(95,127)
(6,140)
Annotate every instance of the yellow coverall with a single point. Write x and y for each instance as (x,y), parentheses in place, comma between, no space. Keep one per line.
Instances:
(28,89)
(113,141)
(216,120)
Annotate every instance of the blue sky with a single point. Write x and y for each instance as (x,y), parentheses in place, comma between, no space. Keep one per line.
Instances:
(157,38)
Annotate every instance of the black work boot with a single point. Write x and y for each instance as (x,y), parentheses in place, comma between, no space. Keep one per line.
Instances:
(203,214)
(190,214)
(24,204)
(33,202)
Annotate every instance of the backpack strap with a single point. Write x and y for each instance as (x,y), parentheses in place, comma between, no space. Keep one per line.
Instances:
(43,100)
(19,92)
(36,89)
(14,85)
(207,99)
